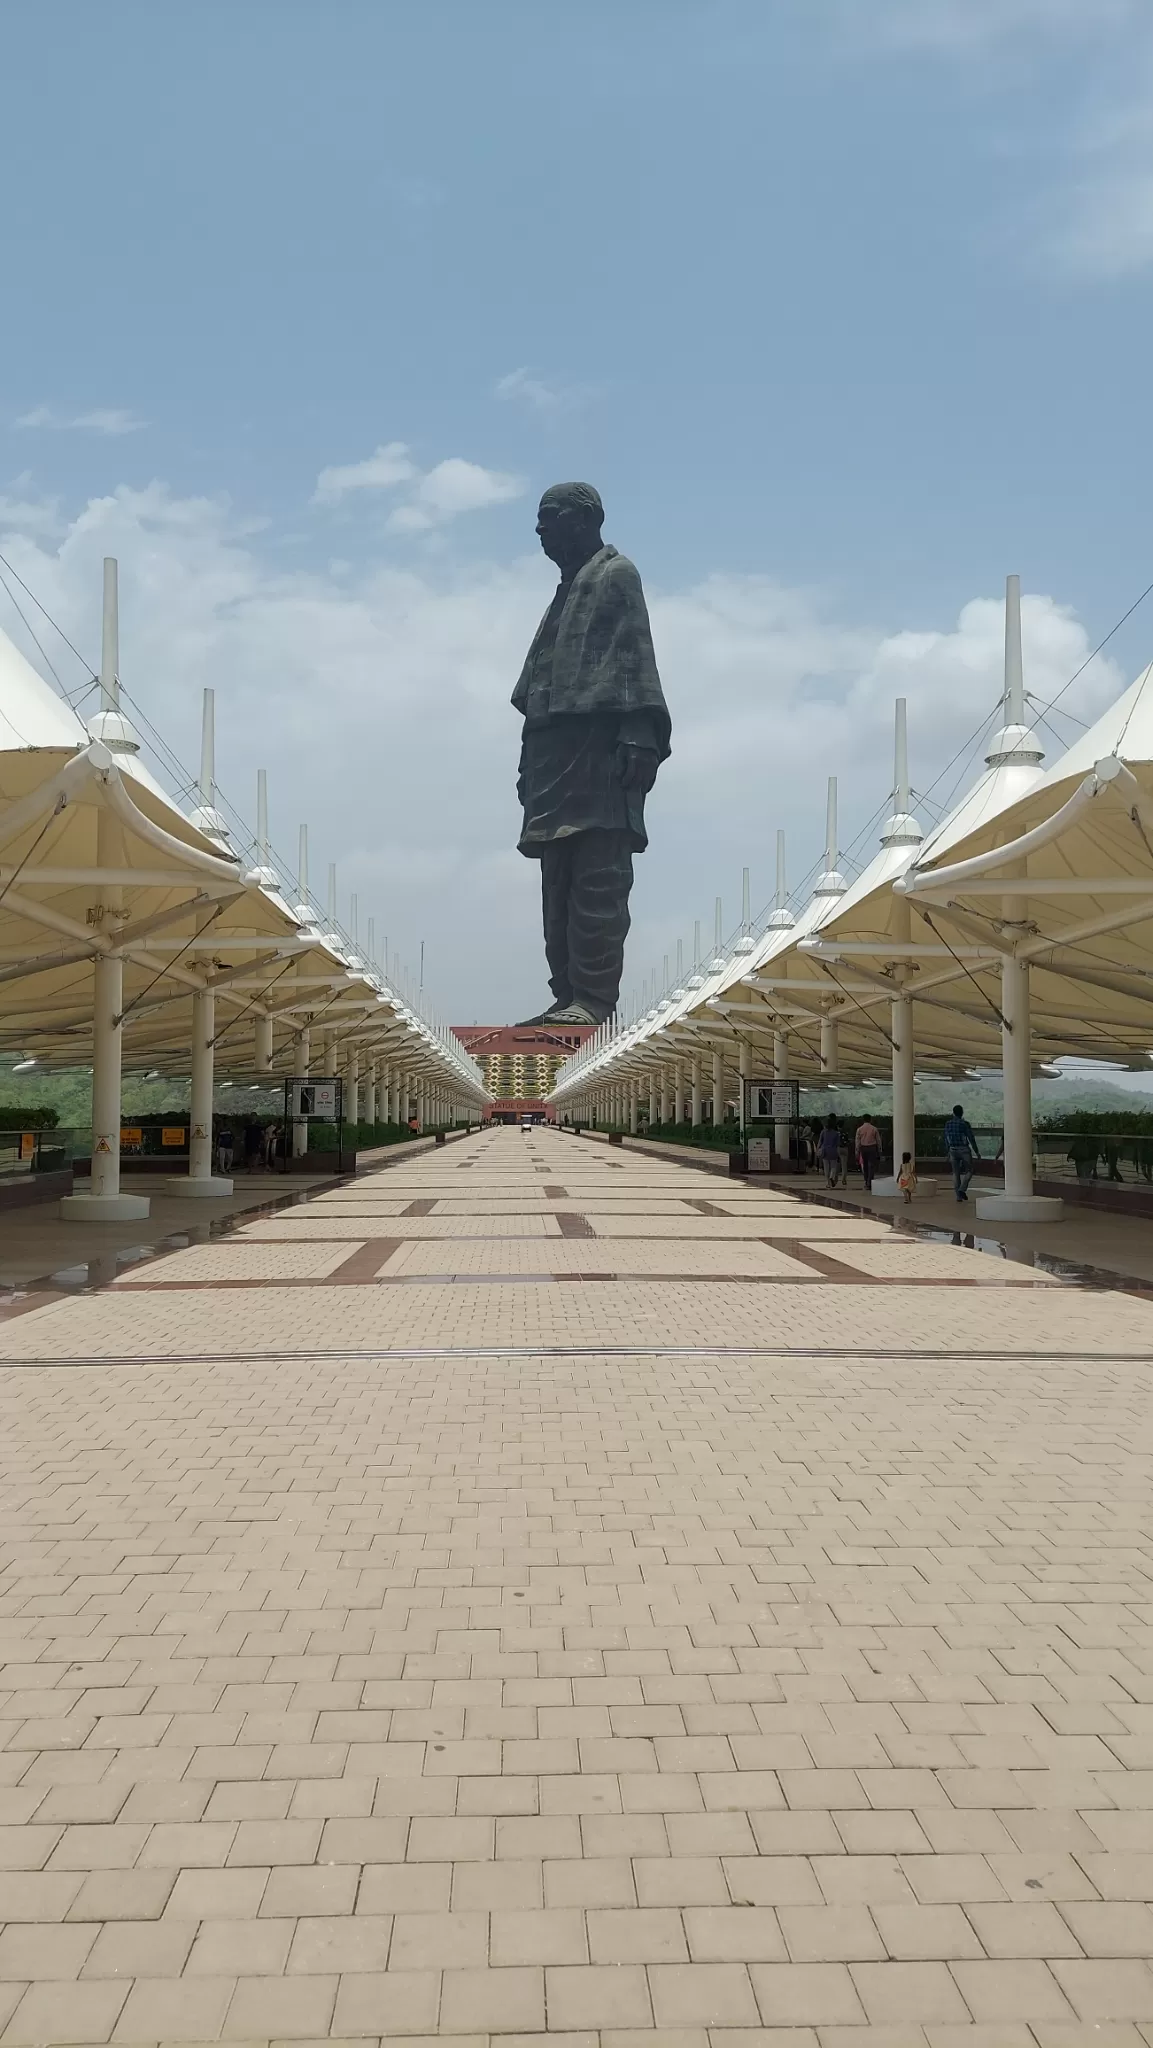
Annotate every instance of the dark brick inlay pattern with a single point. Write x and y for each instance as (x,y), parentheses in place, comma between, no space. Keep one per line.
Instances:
(365,1263)
(571,1224)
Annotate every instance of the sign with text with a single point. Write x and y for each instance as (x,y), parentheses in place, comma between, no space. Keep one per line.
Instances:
(320,1098)
(772,1101)
(173,1135)
(760,1155)
(131,1137)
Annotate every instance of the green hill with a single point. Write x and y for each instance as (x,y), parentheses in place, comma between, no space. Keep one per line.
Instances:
(69,1093)
(982,1100)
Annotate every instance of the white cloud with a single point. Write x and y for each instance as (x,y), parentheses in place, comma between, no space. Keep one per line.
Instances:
(378,699)
(27,512)
(437,495)
(959,25)
(103,419)
(539,394)
(1106,226)
(1094,219)
(451,488)
(386,466)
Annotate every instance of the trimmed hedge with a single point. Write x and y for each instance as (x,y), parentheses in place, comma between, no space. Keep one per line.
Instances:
(714,1137)
(24,1117)
(364,1137)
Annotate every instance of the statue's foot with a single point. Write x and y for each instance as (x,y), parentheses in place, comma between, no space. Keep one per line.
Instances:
(545,1017)
(571,1013)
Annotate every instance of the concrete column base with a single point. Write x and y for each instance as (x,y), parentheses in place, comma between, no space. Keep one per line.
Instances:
(1020,1208)
(103,1208)
(886,1188)
(212,1184)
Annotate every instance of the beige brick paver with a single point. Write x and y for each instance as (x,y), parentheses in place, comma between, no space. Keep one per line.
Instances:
(745,1657)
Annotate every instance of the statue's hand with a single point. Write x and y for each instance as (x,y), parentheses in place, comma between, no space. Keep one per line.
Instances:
(636,767)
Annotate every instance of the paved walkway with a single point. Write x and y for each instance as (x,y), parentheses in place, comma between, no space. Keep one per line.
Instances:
(539,1589)
(1108,1241)
(35,1241)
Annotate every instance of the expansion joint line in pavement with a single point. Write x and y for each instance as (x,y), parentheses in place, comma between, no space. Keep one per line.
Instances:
(881,1354)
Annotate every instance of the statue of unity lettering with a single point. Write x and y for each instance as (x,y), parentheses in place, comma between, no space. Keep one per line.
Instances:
(596,729)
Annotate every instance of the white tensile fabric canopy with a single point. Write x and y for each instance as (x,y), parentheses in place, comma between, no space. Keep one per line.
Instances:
(99,868)
(906,969)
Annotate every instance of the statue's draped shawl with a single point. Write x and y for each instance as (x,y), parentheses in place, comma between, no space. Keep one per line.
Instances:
(603,659)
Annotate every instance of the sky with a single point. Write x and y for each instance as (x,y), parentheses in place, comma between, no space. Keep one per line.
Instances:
(842,305)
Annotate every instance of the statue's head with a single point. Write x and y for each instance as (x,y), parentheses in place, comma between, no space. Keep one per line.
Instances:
(569,522)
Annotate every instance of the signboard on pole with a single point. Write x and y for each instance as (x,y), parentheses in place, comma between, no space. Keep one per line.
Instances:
(307,1099)
(772,1101)
(760,1152)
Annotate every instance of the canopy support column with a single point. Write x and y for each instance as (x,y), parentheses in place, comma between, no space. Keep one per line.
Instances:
(830,1049)
(695,1088)
(201,1179)
(105,1203)
(781,1130)
(302,1053)
(1018,1204)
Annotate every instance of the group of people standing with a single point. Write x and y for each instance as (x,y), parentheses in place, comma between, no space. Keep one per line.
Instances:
(260,1142)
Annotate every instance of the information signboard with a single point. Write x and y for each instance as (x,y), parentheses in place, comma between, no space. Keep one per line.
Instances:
(760,1155)
(319,1098)
(772,1101)
(173,1135)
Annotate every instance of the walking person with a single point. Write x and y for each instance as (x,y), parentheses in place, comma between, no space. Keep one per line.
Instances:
(961,1147)
(867,1145)
(907,1177)
(829,1151)
(224,1148)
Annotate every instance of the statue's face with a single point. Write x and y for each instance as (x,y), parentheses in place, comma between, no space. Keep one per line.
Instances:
(564,528)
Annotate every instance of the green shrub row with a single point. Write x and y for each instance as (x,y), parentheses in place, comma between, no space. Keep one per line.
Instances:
(363,1137)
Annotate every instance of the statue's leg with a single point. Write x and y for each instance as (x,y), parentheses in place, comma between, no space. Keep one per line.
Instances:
(598,917)
(555,879)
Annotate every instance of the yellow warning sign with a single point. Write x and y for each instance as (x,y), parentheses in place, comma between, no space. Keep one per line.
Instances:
(102,1145)
(198,1131)
(172,1134)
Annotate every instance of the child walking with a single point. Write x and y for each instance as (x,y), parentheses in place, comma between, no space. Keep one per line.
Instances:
(907,1177)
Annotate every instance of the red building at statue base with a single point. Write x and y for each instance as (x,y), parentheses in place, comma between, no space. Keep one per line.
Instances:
(519,1063)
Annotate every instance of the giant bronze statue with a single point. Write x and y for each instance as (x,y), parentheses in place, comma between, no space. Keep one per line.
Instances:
(596,729)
